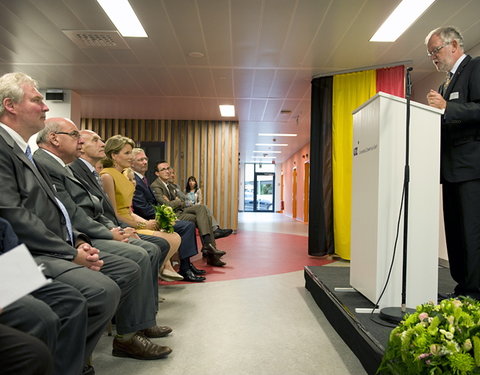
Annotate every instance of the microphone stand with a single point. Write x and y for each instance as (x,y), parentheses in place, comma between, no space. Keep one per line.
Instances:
(395,314)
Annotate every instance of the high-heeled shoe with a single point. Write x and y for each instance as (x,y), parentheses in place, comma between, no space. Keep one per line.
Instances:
(168,275)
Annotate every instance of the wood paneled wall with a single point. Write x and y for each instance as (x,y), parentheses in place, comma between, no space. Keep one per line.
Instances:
(207,150)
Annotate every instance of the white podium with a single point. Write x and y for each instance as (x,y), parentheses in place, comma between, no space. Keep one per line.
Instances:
(377,183)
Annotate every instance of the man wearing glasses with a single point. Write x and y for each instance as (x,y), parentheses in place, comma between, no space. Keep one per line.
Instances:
(459,97)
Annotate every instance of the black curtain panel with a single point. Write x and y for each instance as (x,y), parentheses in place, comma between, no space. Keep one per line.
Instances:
(320,228)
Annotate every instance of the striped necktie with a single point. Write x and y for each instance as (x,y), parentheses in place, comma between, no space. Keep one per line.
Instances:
(447,81)
(28,154)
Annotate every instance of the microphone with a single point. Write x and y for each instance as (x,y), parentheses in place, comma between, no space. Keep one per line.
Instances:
(408,83)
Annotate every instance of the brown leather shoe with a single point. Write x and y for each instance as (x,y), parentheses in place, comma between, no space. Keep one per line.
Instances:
(156,331)
(214,260)
(139,347)
(210,249)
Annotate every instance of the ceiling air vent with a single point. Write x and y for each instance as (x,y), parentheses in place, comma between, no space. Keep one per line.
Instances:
(96,39)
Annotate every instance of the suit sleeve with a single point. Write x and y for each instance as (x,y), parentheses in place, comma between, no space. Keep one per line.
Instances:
(81,221)
(466,109)
(199,196)
(140,205)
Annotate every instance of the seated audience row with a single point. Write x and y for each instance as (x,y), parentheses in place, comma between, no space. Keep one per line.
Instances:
(96,285)
(104,258)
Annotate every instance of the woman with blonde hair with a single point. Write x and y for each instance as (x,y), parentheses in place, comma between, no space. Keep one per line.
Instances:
(118,151)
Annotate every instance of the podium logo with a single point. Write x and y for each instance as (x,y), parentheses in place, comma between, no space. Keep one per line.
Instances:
(357,152)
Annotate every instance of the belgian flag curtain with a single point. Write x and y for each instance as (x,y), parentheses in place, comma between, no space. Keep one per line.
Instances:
(333,100)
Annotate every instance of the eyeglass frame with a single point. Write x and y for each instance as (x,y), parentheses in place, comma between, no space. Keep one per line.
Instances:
(74,134)
(436,50)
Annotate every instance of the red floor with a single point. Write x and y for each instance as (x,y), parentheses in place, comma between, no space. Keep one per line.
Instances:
(253,254)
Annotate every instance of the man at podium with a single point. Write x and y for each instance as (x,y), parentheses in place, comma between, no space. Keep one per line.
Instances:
(459,97)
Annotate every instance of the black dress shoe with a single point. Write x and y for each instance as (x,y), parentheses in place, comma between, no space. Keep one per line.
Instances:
(210,249)
(188,275)
(88,370)
(220,233)
(196,271)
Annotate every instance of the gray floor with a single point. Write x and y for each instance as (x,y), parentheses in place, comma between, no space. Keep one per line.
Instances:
(266,325)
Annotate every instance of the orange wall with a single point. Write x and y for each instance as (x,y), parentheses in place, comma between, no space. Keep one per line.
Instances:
(296,160)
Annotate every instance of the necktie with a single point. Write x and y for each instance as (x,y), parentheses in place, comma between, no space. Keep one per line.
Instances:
(172,192)
(97,177)
(144,179)
(28,153)
(68,222)
(69,171)
(447,81)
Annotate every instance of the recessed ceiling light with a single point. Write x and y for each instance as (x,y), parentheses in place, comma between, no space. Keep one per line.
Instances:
(268,152)
(197,55)
(404,15)
(272,144)
(278,134)
(227,110)
(123,17)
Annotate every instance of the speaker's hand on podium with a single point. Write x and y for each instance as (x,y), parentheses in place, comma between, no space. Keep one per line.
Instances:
(436,100)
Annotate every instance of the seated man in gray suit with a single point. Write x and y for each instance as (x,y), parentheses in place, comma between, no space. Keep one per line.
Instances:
(164,194)
(58,147)
(41,221)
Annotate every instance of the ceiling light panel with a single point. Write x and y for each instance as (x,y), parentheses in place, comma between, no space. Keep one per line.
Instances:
(278,134)
(404,15)
(123,17)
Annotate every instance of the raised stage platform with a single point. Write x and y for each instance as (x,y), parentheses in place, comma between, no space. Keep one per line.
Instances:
(365,333)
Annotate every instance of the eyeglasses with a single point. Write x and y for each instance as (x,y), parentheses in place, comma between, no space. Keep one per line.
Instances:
(74,134)
(163,169)
(436,50)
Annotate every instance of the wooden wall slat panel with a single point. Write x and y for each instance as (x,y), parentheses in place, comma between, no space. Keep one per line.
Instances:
(207,150)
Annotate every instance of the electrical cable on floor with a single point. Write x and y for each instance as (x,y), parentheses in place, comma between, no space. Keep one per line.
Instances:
(391,263)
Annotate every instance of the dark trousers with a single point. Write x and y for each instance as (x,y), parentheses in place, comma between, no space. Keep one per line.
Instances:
(57,315)
(23,354)
(461,208)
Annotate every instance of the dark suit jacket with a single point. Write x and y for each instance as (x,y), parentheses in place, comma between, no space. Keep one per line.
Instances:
(27,201)
(75,198)
(84,175)
(144,200)
(460,158)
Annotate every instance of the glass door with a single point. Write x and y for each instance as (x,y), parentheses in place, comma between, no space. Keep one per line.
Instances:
(264,185)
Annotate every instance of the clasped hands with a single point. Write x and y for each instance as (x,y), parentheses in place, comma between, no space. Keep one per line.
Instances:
(88,256)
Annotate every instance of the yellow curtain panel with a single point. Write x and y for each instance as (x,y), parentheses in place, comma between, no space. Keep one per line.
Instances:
(349,92)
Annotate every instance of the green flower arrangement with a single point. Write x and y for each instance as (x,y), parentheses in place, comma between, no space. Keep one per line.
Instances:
(436,339)
(165,218)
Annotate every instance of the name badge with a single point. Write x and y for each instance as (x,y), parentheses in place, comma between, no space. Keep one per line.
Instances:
(453,95)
